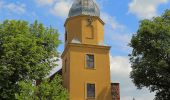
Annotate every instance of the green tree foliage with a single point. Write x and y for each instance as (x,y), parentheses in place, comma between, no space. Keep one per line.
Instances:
(26,52)
(150,57)
(47,90)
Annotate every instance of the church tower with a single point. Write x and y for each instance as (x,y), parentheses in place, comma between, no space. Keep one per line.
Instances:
(86,66)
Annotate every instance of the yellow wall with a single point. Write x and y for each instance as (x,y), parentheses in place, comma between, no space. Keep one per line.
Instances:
(77,75)
(77,27)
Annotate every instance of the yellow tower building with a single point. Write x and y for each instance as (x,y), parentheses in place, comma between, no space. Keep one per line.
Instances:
(86,66)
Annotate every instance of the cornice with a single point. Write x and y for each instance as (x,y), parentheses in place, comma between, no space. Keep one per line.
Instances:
(82,17)
(84,46)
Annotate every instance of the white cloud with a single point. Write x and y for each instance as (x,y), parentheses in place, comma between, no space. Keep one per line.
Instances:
(120,70)
(18,8)
(120,65)
(109,20)
(61,8)
(145,8)
(44,2)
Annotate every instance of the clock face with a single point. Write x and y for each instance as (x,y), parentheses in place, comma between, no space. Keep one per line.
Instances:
(90,21)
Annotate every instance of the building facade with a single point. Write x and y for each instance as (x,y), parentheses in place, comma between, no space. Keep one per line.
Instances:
(85,59)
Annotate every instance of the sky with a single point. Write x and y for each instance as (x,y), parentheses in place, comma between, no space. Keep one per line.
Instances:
(121,17)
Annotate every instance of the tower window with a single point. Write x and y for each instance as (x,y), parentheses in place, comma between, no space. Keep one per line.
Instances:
(66,36)
(90,90)
(65,69)
(90,61)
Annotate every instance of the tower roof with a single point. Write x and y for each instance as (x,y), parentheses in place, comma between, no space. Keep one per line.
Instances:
(84,7)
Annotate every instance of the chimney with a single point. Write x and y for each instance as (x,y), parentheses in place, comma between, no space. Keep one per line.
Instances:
(115,91)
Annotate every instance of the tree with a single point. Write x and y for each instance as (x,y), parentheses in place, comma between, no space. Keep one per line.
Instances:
(26,52)
(150,58)
(45,91)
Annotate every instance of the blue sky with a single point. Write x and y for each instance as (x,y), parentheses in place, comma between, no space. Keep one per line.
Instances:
(122,20)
